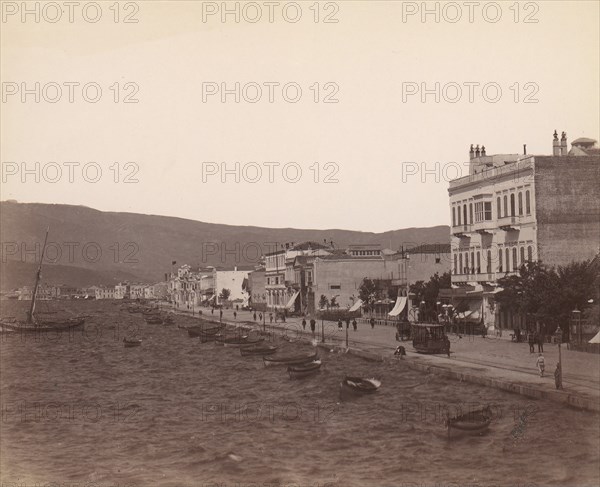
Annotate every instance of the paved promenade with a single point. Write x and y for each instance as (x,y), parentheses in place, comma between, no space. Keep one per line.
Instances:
(492,361)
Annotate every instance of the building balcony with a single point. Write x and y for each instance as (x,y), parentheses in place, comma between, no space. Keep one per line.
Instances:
(484,227)
(509,223)
(481,276)
(461,231)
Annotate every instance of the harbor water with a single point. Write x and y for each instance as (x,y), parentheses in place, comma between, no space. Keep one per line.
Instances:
(80,409)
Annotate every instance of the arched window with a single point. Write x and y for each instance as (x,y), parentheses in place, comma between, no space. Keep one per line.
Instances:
(465,215)
(453,216)
(478,269)
(514,259)
(471,213)
(498,208)
(507,255)
(505,205)
(500,260)
(466,262)
(529,254)
(458,212)
(455,265)
(460,264)
(472,262)
(522,249)
(527,203)
(489,262)
(520,204)
(512,204)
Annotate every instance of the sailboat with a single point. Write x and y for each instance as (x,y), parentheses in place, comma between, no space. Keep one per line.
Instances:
(32,324)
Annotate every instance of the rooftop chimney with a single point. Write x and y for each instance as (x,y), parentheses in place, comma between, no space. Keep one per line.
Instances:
(471,153)
(563,144)
(555,145)
(524,149)
(477,151)
(483,151)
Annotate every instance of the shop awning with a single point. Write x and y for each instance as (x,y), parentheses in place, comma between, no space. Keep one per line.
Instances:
(400,304)
(596,339)
(290,303)
(211,298)
(356,305)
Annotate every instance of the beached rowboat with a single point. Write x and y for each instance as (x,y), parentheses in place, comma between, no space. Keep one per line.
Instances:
(131,342)
(288,360)
(304,370)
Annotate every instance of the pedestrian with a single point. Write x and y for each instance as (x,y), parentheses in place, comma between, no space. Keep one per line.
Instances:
(221,313)
(237,307)
(372,321)
(271,317)
(540,342)
(304,323)
(254,316)
(531,340)
(235,315)
(540,364)
(558,377)
(354,324)
(312,326)
(339,324)
(259,316)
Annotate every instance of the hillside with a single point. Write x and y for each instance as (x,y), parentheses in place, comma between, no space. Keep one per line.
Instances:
(108,245)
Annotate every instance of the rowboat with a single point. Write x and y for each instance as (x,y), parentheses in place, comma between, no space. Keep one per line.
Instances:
(238,341)
(304,370)
(471,423)
(131,342)
(199,331)
(352,387)
(288,360)
(153,320)
(246,350)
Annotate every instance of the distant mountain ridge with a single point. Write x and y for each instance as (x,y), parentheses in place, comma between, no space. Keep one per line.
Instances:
(111,244)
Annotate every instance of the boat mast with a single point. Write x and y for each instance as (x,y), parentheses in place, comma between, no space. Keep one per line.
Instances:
(37,281)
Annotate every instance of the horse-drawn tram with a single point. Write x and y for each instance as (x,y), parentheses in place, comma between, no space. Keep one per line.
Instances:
(430,338)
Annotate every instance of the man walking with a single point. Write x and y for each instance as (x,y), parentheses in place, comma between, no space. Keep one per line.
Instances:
(372,321)
(271,317)
(312,326)
(540,364)
(354,324)
(254,316)
(304,323)
(540,342)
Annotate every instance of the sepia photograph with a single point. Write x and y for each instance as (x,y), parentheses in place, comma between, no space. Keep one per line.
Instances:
(311,243)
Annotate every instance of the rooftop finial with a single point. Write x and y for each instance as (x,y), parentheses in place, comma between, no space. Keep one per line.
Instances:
(555,135)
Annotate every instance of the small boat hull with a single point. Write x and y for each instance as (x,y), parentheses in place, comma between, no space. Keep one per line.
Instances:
(353,387)
(253,350)
(45,327)
(305,370)
(131,343)
(474,423)
(290,359)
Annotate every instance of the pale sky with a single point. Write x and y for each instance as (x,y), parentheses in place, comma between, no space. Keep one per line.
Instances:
(366,57)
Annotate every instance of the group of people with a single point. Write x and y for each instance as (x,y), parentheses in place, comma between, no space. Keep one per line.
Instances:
(534,338)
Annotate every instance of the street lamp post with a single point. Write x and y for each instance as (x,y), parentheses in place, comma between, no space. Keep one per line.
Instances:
(576,319)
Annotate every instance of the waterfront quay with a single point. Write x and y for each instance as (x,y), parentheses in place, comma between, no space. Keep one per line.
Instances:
(491,361)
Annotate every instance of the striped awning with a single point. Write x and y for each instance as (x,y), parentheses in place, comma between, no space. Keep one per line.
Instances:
(290,303)
(400,304)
